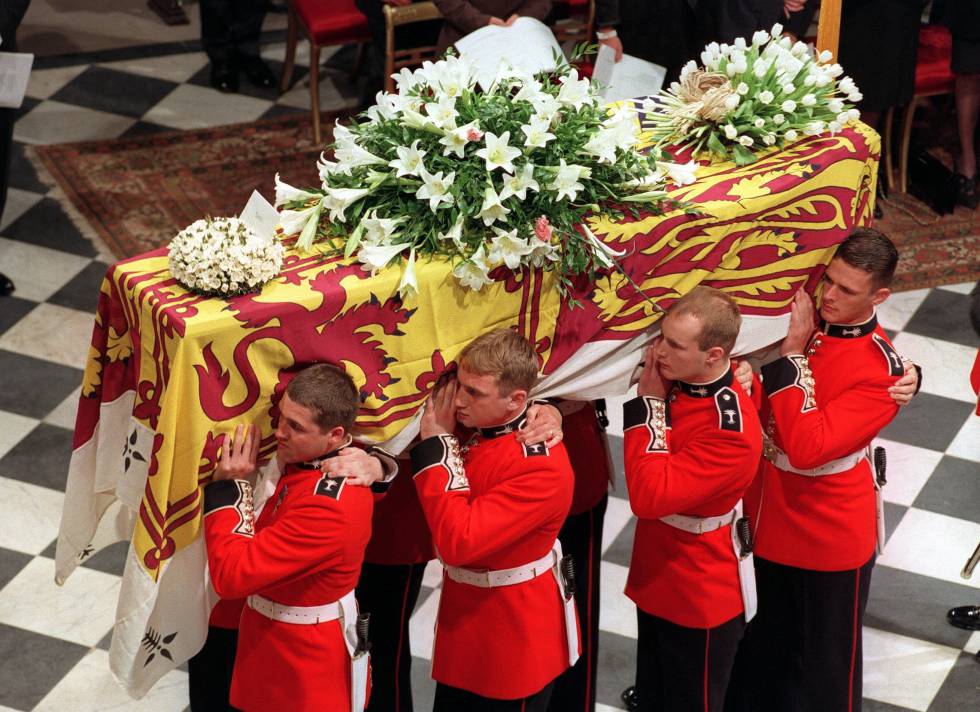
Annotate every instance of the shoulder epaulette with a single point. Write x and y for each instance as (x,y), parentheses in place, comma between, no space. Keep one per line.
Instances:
(895,365)
(729,410)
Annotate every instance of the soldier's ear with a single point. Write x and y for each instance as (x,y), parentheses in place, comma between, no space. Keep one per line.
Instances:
(880,295)
(714,355)
(518,398)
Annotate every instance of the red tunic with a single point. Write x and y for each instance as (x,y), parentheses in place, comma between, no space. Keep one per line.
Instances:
(975,379)
(824,523)
(701,466)
(504,511)
(307,550)
(587,451)
(399,533)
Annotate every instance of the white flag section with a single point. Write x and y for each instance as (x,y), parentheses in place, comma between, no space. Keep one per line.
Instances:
(492,45)
(160,624)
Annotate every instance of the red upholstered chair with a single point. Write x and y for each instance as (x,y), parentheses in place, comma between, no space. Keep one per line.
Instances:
(325,23)
(932,78)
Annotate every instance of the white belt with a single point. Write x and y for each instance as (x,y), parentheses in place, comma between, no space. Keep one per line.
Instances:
(700,525)
(504,577)
(301,615)
(842,464)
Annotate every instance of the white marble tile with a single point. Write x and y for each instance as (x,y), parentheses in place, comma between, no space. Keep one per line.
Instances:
(39,272)
(18,203)
(966,444)
(53,333)
(64,415)
(90,686)
(599,707)
(55,122)
(618,515)
(618,614)
(13,427)
(896,311)
(904,671)
(172,67)
(194,107)
(277,51)
(909,468)
(932,544)
(422,626)
(433,574)
(973,644)
(946,365)
(961,288)
(82,611)
(45,82)
(31,516)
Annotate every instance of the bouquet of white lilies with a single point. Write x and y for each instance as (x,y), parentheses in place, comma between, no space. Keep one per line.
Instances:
(488,178)
(750,97)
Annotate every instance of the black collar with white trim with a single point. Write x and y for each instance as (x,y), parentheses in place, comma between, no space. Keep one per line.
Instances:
(511,426)
(707,390)
(850,331)
(316,462)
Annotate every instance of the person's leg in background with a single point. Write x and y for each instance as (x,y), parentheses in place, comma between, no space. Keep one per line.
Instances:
(245,31)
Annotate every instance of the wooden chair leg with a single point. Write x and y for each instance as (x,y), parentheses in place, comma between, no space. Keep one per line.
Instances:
(887,150)
(291,37)
(355,71)
(903,158)
(315,90)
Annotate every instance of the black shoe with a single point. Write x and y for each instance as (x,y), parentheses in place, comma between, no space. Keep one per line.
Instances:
(257,71)
(966,191)
(224,77)
(629,698)
(6,286)
(967,617)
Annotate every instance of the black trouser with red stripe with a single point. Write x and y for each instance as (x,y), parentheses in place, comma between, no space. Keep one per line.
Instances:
(453,699)
(389,593)
(681,669)
(581,538)
(802,652)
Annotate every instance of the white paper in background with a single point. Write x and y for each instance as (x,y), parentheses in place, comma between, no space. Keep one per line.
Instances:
(534,42)
(259,216)
(15,69)
(629,78)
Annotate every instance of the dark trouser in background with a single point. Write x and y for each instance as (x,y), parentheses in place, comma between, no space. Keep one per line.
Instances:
(209,672)
(802,652)
(452,699)
(581,538)
(231,27)
(389,593)
(680,669)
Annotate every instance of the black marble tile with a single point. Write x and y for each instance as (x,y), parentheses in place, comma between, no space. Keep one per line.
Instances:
(893,516)
(105,643)
(929,421)
(19,376)
(40,458)
(876,706)
(944,315)
(115,92)
(11,563)
(961,688)
(47,225)
(110,560)
(915,606)
(280,110)
(245,87)
(143,128)
(13,309)
(952,489)
(47,659)
(82,291)
(22,173)
(423,686)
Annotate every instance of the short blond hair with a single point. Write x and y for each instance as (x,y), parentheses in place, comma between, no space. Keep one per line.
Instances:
(717,313)
(505,354)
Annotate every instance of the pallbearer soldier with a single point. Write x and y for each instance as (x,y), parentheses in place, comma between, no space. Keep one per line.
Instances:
(817,520)
(692,443)
(299,646)
(506,626)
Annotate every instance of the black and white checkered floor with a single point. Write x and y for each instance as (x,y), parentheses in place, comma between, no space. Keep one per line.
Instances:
(53,641)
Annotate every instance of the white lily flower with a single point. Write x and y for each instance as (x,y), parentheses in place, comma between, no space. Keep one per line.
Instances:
(508,248)
(546,105)
(537,132)
(443,112)
(778,119)
(376,257)
(492,209)
(435,189)
(766,96)
(519,183)
(337,200)
(814,127)
(542,253)
(679,173)
(602,145)
(769,139)
(405,80)
(566,181)
(789,106)
(574,91)
(472,273)
(408,287)
(776,30)
(455,140)
(731,132)
(286,193)
(792,135)
(732,101)
(745,140)
(603,253)
(383,108)
(809,100)
(342,136)
(454,233)
(409,161)
(529,91)
(846,85)
(760,37)
(497,153)
(759,122)
(415,120)
(354,156)
(378,230)
(294,221)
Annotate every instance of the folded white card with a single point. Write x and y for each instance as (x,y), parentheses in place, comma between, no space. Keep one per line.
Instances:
(534,42)
(259,216)
(15,69)
(629,78)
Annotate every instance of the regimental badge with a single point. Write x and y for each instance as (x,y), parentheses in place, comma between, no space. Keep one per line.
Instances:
(454,465)
(895,365)
(729,412)
(658,420)
(535,449)
(328,486)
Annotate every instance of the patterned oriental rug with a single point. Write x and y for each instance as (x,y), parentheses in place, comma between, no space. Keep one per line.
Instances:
(136,193)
